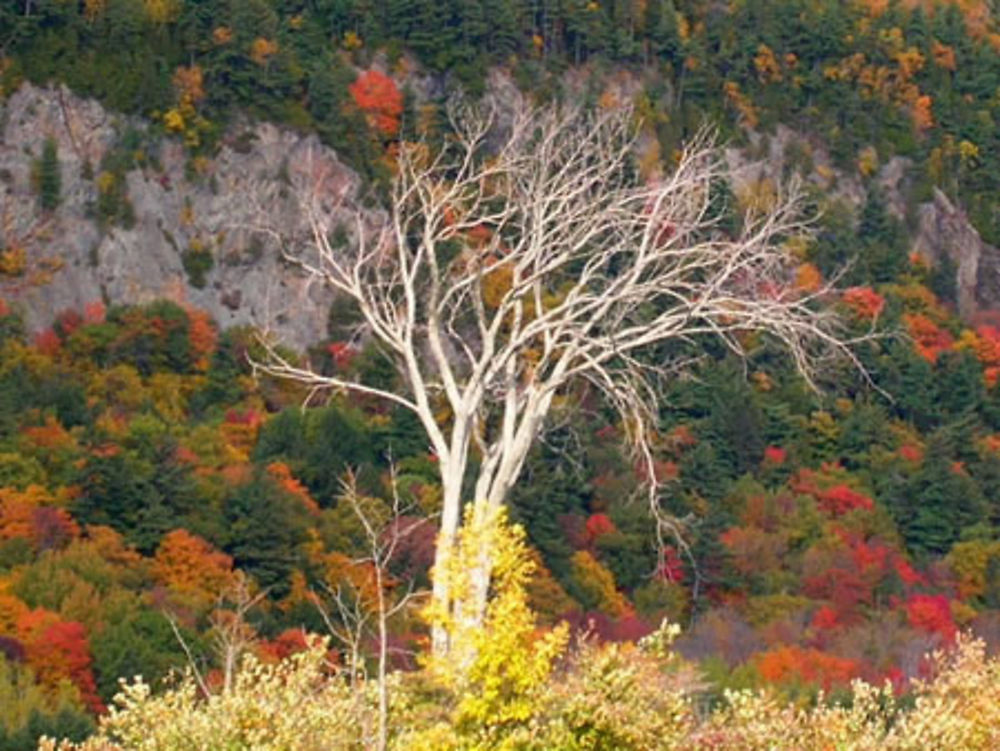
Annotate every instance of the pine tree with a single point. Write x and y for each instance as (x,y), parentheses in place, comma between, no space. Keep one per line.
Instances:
(48,178)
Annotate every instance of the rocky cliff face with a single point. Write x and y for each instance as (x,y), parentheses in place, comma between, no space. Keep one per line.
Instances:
(226,213)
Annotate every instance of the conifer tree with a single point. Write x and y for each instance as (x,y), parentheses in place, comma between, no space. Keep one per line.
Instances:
(49,181)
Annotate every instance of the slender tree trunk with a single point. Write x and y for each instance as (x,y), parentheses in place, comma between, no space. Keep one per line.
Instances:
(441,591)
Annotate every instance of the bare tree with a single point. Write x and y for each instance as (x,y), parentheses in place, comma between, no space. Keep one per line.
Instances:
(358,612)
(523,257)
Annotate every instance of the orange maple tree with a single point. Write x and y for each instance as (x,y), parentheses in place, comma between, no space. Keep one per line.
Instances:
(378,97)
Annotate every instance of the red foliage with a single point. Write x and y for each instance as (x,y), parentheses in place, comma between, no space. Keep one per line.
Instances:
(911,453)
(94,312)
(864,302)
(343,354)
(928,338)
(843,588)
(48,342)
(671,567)
(250,417)
(870,556)
(4,308)
(379,98)
(825,618)
(52,528)
(288,642)
(840,499)
(931,613)
(599,525)
(907,573)
(67,322)
(775,455)
(58,650)
(607,431)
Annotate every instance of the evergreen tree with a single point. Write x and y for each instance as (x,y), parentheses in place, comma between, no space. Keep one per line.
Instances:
(48,178)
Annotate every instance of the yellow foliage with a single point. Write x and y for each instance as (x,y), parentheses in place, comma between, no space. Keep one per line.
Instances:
(768,68)
(500,666)
(352,41)
(597,583)
(968,561)
(13,261)
(741,102)
(163,11)
(173,120)
(867,161)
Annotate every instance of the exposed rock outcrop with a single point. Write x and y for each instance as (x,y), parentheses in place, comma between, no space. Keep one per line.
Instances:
(944,231)
(227,213)
(232,209)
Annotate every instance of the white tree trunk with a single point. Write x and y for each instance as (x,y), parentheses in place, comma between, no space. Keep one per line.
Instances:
(520,260)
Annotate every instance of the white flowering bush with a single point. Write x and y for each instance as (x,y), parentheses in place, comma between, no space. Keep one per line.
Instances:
(295,705)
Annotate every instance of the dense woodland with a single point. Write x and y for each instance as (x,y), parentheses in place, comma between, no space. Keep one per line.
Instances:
(153,491)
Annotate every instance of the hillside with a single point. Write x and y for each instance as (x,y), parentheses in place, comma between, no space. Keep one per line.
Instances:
(161,505)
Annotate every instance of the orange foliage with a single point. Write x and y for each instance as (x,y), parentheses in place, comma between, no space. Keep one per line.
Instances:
(94,312)
(189,565)
(202,336)
(188,83)
(12,609)
(808,278)
(789,664)
(768,68)
(922,113)
(742,104)
(865,302)
(50,436)
(288,642)
(944,56)
(377,96)
(30,515)
(929,339)
(262,50)
(280,472)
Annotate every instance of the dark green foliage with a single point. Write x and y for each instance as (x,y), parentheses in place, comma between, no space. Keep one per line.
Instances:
(135,641)
(47,177)
(320,445)
(72,724)
(143,492)
(197,263)
(264,529)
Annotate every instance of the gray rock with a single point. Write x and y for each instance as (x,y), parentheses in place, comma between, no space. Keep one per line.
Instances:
(242,200)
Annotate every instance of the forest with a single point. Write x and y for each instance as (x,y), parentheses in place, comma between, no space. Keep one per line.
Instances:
(166,507)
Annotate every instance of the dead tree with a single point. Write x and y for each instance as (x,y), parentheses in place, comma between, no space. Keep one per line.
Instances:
(524,257)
